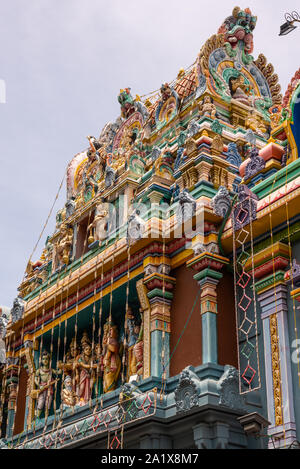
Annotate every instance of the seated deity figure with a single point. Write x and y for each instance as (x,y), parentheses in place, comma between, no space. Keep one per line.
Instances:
(69,397)
(44,381)
(240,90)
(207,108)
(84,368)
(111,360)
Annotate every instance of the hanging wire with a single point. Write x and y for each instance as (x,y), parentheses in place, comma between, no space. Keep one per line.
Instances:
(163,375)
(275,317)
(291,267)
(47,220)
(125,353)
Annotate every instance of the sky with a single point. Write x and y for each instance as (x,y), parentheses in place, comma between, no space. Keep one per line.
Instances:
(63,63)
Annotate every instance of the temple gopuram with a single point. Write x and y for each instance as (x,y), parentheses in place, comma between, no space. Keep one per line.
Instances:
(163,310)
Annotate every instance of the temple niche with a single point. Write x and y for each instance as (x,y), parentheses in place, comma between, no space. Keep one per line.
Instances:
(165,292)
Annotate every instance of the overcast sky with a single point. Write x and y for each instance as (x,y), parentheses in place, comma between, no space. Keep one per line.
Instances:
(64,62)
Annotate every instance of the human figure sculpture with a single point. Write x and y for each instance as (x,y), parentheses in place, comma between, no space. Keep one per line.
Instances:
(69,397)
(69,366)
(240,90)
(133,329)
(99,224)
(44,381)
(84,368)
(112,360)
(138,353)
(64,244)
(208,108)
(98,370)
(253,123)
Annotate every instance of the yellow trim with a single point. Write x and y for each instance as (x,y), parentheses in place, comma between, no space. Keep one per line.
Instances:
(292,142)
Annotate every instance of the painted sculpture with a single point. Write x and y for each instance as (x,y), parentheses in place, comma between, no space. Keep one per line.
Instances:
(207,107)
(238,29)
(216,136)
(64,245)
(84,371)
(134,356)
(44,381)
(240,90)
(112,359)
(98,227)
(69,397)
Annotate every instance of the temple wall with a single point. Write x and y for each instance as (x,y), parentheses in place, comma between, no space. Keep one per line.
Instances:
(21,402)
(227,352)
(188,351)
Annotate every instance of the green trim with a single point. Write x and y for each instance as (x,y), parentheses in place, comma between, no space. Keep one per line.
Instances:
(282,177)
(282,235)
(208,273)
(269,281)
(158,292)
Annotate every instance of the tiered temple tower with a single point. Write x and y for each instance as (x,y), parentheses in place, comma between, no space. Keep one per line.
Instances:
(163,312)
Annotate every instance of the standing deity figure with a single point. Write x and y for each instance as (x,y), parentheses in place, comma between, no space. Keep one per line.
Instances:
(133,329)
(111,360)
(84,368)
(98,367)
(99,224)
(69,366)
(138,352)
(207,108)
(64,244)
(44,381)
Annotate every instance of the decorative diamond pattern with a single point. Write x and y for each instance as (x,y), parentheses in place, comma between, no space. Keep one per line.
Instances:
(248,349)
(145,410)
(115,443)
(245,295)
(245,375)
(107,420)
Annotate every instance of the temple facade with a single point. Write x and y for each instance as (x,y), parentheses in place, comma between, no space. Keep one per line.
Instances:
(163,311)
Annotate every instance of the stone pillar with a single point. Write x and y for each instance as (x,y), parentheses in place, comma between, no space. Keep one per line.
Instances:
(208,275)
(12,388)
(159,285)
(272,296)
(202,436)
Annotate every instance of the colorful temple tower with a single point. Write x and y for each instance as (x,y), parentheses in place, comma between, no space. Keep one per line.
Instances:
(163,311)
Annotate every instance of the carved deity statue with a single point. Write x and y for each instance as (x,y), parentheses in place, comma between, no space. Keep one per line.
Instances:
(253,123)
(69,397)
(133,331)
(240,90)
(98,370)
(165,91)
(99,224)
(69,366)
(44,381)
(207,108)
(137,363)
(111,360)
(64,244)
(84,369)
